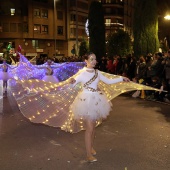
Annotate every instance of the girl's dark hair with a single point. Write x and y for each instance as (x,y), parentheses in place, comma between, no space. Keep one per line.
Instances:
(86,56)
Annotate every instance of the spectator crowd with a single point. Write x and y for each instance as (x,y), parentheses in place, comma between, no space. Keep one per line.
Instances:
(152,70)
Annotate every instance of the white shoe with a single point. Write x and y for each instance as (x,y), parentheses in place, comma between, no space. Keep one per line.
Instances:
(91,159)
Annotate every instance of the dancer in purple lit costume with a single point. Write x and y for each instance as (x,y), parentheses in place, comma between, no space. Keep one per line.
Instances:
(5,75)
(49,74)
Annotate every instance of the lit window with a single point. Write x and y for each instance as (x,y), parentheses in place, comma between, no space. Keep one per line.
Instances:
(44,28)
(108,22)
(37,12)
(108,1)
(35,43)
(37,28)
(44,13)
(12,11)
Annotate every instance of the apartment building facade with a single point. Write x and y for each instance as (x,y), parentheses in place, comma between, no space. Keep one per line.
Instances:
(54,27)
(118,14)
(43,27)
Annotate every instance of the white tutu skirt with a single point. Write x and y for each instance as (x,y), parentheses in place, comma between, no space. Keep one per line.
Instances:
(50,78)
(91,105)
(5,76)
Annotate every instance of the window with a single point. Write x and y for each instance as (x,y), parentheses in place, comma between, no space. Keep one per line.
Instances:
(18,11)
(59,3)
(35,43)
(60,15)
(37,12)
(60,45)
(19,27)
(60,30)
(108,1)
(45,29)
(25,27)
(5,27)
(37,28)
(44,13)
(44,1)
(72,3)
(73,31)
(108,22)
(108,10)
(83,19)
(83,5)
(13,27)
(73,17)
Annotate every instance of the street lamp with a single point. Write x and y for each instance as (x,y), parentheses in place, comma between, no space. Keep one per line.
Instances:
(167,17)
(55,27)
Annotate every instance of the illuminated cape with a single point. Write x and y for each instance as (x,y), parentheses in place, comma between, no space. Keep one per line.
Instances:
(24,70)
(48,103)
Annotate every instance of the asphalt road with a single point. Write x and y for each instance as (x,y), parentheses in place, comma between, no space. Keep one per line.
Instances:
(136,136)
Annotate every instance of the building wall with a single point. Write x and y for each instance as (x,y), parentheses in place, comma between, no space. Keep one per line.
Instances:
(30,18)
(33,27)
(76,28)
(118,15)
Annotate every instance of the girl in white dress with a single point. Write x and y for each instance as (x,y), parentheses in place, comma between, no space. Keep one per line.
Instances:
(79,107)
(91,105)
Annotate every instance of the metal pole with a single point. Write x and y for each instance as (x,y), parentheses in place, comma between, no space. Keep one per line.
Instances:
(76,29)
(55,27)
